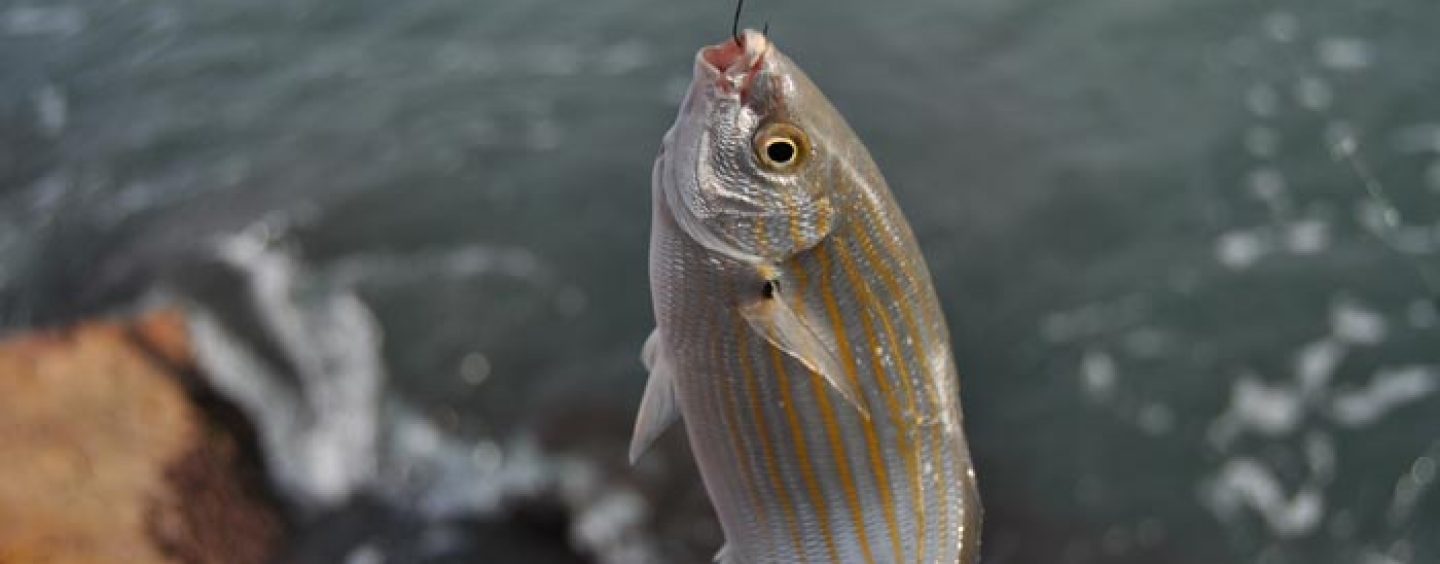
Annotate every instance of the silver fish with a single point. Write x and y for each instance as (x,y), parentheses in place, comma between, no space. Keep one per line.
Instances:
(798,333)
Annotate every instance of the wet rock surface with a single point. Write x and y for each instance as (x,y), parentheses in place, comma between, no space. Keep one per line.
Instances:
(111,455)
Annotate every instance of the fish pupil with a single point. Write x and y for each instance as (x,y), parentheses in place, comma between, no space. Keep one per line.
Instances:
(781,152)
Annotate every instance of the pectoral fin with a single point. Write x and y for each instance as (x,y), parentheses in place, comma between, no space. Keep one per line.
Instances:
(658,409)
(779,324)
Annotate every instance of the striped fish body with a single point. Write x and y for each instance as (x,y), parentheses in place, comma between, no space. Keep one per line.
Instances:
(811,367)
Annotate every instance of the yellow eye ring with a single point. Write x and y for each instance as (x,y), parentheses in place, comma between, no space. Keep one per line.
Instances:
(781,147)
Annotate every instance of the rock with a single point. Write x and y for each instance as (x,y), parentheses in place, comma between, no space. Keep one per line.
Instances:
(112,454)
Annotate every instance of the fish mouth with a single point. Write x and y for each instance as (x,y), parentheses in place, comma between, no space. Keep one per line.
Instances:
(734,64)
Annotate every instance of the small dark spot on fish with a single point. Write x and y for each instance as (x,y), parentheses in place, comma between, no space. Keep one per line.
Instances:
(769,288)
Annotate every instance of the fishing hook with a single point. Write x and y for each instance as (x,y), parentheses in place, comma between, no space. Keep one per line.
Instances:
(735,25)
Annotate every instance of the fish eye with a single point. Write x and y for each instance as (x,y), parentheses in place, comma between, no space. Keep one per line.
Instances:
(780,151)
(781,147)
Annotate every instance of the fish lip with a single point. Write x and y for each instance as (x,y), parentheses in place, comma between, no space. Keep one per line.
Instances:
(725,74)
(732,65)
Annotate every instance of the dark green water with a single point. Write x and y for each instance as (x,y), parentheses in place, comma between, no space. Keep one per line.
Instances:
(1193,326)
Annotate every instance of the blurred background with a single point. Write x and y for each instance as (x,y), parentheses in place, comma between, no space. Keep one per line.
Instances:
(1189,251)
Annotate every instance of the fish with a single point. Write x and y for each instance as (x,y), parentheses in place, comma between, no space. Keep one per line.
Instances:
(798,336)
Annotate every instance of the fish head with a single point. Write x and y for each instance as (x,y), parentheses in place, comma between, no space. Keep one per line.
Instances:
(745,169)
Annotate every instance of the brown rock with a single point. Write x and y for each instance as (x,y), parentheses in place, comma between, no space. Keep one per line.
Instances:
(105,456)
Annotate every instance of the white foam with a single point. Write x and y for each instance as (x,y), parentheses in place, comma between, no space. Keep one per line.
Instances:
(1316,363)
(1355,324)
(1268,409)
(1098,373)
(1344,53)
(1241,249)
(1388,390)
(1307,237)
(608,520)
(1245,482)
(1271,410)
(320,431)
